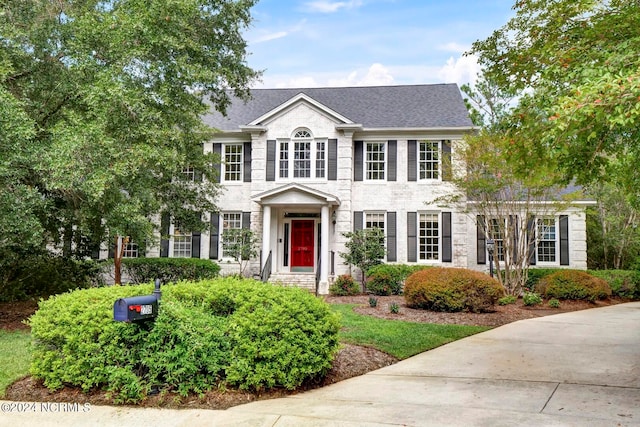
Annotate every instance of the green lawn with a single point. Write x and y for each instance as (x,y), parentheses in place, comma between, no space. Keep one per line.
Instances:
(398,338)
(14,357)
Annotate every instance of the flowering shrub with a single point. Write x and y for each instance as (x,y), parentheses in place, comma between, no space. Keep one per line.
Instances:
(452,289)
(344,286)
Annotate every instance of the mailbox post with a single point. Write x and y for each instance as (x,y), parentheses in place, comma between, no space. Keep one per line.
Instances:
(139,308)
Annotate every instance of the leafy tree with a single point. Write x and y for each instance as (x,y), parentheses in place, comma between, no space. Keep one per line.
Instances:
(575,65)
(494,192)
(105,98)
(240,244)
(365,248)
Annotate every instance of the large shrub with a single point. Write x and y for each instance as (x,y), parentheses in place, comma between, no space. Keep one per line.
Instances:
(223,332)
(452,289)
(574,285)
(388,279)
(534,275)
(39,276)
(623,283)
(144,270)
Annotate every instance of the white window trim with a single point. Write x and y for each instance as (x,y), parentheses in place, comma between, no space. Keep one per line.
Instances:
(556,221)
(221,238)
(223,172)
(385,172)
(429,261)
(439,163)
(384,229)
(172,236)
(312,158)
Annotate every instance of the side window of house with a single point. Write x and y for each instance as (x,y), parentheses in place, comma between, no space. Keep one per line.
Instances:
(429,160)
(375,161)
(547,240)
(302,156)
(181,242)
(374,219)
(189,173)
(230,220)
(429,236)
(232,162)
(130,250)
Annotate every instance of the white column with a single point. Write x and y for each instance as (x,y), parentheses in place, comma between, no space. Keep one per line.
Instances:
(266,233)
(323,286)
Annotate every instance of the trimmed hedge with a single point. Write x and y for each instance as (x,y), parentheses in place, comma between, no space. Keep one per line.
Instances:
(452,289)
(388,279)
(39,276)
(215,333)
(574,285)
(145,270)
(623,283)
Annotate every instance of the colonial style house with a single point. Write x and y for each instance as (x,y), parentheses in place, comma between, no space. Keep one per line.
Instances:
(303,166)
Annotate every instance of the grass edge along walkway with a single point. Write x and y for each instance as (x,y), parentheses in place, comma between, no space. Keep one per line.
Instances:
(398,338)
(15,356)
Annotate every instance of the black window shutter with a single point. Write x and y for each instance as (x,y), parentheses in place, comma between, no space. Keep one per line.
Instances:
(446,161)
(246,152)
(391,237)
(164,235)
(358,159)
(333,160)
(447,241)
(214,237)
(358,218)
(217,167)
(392,163)
(564,240)
(271,160)
(481,243)
(412,232)
(531,239)
(195,244)
(246,219)
(412,160)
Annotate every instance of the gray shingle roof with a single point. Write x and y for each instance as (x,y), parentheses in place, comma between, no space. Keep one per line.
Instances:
(412,106)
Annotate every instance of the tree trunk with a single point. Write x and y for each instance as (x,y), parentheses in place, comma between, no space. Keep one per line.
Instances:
(117,261)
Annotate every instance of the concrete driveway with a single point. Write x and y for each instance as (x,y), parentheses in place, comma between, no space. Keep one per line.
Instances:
(572,369)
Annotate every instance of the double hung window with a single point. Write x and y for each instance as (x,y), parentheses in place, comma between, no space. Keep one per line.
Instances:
(230,221)
(429,160)
(375,161)
(547,239)
(232,162)
(302,156)
(181,242)
(429,236)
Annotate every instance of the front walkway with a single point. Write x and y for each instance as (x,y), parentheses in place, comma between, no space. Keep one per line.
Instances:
(573,369)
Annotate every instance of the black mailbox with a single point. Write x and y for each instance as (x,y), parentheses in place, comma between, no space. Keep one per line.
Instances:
(133,309)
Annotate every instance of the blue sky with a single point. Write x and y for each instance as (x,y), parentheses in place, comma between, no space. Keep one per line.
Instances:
(317,43)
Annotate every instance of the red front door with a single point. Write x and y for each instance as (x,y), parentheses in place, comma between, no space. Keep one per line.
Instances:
(302,247)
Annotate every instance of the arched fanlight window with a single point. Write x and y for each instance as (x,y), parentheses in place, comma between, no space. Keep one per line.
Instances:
(302,133)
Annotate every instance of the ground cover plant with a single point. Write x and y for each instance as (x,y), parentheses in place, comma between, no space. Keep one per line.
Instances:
(225,332)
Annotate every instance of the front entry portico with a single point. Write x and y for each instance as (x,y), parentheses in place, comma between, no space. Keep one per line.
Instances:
(296,232)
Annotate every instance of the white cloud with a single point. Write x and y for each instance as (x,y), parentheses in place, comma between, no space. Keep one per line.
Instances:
(376,75)
(265,36)
(269,36)
(325,6)
(465,69)
(453,47)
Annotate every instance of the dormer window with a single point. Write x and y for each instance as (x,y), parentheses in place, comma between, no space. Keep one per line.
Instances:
(303,154)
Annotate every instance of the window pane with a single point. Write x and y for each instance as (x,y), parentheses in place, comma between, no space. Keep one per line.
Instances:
(429,159)
(496,232)
(374,220)
(302,160)
(284,159)
(429,237)
(375,160)
(230,221)
(546,240)
(233,162)
(181,242)
(320,155)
